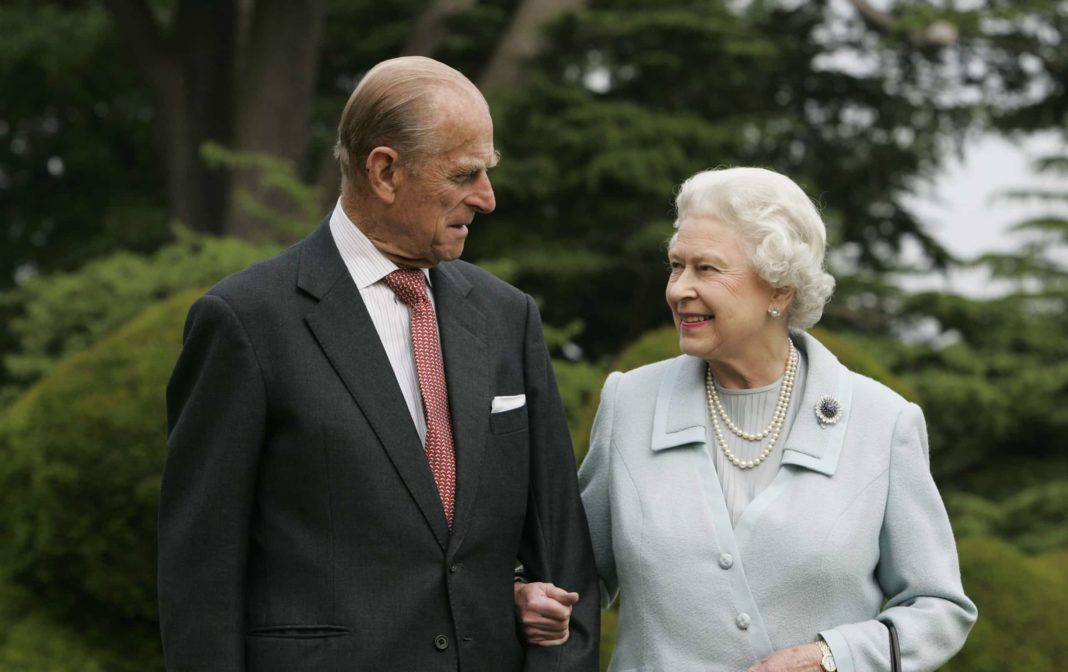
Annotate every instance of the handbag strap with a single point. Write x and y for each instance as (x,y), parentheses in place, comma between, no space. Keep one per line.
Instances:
(895,648)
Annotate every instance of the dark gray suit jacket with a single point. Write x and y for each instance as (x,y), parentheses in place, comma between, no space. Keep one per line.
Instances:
(300,527)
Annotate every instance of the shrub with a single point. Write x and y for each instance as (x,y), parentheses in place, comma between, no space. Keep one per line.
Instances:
(1020,601)
(54,316)
(80,459)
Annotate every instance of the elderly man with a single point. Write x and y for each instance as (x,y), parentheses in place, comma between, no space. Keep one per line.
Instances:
(365,432)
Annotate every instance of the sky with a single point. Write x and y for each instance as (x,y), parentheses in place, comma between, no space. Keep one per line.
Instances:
(963,210)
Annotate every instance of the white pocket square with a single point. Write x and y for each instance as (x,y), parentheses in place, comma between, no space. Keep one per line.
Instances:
(502,404)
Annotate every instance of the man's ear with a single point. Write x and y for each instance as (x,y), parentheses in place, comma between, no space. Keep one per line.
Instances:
(383,174)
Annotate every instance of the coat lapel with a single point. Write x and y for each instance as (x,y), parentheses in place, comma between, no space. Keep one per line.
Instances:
(465,350)
(343,328)
(809,444)
(680,417)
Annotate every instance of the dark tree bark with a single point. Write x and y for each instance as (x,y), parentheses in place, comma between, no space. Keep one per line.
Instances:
(277,69)
(189,71)
(240,73)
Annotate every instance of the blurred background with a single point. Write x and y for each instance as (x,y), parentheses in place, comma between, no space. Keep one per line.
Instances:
(150,147)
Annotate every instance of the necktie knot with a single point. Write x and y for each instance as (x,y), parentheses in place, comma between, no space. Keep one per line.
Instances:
(409,284)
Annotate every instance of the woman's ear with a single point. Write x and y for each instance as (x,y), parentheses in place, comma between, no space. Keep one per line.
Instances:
(781,297)
(383,175)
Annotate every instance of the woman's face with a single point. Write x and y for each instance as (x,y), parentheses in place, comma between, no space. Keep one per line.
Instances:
(719,303)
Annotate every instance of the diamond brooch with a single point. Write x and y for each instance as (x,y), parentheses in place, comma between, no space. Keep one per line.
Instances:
(828,410)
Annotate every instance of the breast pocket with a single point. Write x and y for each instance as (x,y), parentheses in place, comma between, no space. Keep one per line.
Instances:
(507,422)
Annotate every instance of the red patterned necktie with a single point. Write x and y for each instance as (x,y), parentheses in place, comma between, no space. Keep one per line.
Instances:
(410,287)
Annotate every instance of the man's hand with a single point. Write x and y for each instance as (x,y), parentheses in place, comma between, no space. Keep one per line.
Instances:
(543,612)
(803,658)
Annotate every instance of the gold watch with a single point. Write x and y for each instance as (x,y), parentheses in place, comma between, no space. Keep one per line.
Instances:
(827,663)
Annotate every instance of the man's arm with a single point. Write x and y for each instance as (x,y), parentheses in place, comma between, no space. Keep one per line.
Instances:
(556,543)
(216,410)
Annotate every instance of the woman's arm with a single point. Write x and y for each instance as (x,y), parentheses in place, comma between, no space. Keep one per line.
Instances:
(918,569)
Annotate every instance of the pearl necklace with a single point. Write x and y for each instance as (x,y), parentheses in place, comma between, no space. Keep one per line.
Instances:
(716,410)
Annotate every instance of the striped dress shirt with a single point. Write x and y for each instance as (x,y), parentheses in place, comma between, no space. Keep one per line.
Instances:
(391,317)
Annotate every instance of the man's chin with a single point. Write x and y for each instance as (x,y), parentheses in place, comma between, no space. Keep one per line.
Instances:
(449,252)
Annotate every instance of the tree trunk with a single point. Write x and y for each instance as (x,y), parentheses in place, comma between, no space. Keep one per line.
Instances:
(429,28)
(189,73)
(278,68)
(521,40)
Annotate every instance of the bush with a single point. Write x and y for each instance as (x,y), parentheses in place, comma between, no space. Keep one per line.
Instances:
(80,459)
(54,316)
(30,641)
(1031,520)
(1020,600)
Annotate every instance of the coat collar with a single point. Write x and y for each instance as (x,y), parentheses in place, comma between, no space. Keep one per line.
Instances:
(681,416)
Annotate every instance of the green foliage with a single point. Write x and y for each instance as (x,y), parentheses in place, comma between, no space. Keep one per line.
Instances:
(82,453)
(31,641)
(1032,520)
(1020,599)
(60,314)
(78,171)
(292,202)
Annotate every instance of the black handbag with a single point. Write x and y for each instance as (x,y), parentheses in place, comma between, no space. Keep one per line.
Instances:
(895,648)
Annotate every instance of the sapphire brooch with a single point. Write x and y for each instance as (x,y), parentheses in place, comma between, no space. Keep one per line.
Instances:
(828,410)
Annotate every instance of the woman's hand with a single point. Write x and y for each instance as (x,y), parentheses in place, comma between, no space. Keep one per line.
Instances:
(543,612)
(803,658)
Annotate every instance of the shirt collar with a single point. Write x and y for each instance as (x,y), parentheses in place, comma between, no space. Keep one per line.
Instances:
(365,263)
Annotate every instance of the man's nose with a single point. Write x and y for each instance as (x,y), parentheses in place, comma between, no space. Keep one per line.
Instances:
(482,198)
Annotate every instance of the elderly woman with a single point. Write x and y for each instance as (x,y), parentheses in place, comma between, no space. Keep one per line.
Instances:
(760,506)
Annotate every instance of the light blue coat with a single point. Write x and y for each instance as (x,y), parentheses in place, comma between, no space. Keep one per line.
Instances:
(852,520)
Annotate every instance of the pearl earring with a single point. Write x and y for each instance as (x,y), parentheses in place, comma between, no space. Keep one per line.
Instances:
(774,313)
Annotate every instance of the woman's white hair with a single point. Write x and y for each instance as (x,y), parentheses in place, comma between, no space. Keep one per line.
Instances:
(786,236)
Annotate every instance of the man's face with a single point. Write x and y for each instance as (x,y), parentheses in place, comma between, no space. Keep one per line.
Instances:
(437,198)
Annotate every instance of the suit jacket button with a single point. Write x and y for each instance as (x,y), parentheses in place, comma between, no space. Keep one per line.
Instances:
(441,642)
(726,561)
(743,621)
(454,568)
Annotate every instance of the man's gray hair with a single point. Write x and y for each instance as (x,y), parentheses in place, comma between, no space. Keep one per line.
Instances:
(786,236)
(394,106)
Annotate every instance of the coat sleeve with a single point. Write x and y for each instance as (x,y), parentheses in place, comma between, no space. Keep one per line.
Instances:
(556,543)
(216,407)
(918,569)
(594,481)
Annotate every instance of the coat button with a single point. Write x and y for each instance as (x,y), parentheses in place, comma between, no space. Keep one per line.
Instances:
(441,642)
(743,621)
(726,561)
(454,568)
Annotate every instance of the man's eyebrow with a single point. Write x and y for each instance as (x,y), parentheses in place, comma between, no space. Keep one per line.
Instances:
(495,160)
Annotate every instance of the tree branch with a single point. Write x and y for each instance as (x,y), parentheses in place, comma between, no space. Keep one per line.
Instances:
(521,40)
(935,35)
(429,28)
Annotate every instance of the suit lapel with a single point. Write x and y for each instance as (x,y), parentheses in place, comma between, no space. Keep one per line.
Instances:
(343,328)
(465,352)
